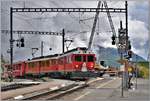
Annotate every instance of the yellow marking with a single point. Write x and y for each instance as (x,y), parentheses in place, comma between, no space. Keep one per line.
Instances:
(129,69)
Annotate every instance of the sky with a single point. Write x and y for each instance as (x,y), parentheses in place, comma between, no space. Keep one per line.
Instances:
(75,29)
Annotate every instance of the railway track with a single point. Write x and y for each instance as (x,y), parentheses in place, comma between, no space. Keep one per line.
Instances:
(52,93)
(95,84)
(58,93)
(16,86)
(61,92)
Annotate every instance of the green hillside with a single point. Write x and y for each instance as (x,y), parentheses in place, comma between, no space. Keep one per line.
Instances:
(143,69)
(111,56)
(144,64)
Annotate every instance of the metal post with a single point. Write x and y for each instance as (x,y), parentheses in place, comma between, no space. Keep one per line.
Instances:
(11,41)
(122,77)
(136,73)
(42,48)
(63,41)
(126,17)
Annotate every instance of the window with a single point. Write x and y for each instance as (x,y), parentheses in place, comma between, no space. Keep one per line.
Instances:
(31,64)
(84,58)
(90,58)
(47,63)
(43,63)
(78,58)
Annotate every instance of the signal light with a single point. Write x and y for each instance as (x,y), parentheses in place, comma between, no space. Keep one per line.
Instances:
(129,45)
(22,42)
(113,42)
(113,39)
(22,45)
(17,45)
(130,54)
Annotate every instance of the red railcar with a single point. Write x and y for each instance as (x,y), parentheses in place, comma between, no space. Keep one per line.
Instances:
(18,69)
(78,61)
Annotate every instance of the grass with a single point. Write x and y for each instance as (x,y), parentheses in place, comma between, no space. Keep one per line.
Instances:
(143,69)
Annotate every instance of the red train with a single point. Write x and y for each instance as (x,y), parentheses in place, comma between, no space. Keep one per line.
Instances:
(78,62)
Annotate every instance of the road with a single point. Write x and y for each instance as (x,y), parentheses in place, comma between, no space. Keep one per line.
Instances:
(109,90)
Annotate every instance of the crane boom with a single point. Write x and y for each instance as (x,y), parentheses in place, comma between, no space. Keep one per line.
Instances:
(94,26)
(109,18)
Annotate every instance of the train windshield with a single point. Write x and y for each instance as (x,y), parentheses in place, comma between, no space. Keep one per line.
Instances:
(90,58)
(78,58)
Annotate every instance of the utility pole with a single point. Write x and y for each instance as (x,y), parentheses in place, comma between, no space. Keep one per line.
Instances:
(126,68)
(63,40)
(11,42)
(42,46)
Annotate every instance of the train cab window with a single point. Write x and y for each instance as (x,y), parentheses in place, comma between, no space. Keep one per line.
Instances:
(90,58)
(78,58)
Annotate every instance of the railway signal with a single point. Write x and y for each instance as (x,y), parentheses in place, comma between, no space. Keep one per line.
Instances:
(113,40)
(22,42)
(129,45)
(129,54)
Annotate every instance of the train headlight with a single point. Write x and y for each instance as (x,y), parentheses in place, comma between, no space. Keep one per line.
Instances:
(76,66)
(91,66)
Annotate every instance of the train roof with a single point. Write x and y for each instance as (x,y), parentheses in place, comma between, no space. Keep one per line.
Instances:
(57,55)
(48,56)
(42,58)
(76,49)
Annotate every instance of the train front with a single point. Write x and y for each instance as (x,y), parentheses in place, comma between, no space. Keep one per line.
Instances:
(84,63)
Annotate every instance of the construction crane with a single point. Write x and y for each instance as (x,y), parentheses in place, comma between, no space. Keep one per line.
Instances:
(110,19)
(94,26)
(95,21)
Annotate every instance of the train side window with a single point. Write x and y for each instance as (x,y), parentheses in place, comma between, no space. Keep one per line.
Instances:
(43,63)
(90,58)
(29,65)
(69,59)
(35,64)
(16,67)
(54,62)
(32,64)
(78,58)
(47,63)
(50,62)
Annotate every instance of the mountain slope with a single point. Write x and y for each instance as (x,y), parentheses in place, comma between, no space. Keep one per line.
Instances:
(110,56)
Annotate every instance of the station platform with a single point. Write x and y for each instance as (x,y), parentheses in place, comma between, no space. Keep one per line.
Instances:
(45,85)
